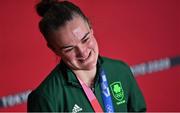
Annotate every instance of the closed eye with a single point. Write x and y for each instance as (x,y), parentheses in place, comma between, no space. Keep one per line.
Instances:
(85,39)
(68,49)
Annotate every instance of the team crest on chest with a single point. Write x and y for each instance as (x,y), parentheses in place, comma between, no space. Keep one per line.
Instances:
(118,93)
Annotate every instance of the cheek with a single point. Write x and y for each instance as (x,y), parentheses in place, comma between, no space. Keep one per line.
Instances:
(93,44)
(68,57)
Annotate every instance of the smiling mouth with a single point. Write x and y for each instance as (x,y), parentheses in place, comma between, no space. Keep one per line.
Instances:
(84,60)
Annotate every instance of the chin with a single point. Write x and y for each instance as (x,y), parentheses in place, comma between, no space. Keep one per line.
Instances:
(89,67)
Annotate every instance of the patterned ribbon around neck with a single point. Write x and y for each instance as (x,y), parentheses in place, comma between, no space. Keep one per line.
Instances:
(105,93)
(91,97)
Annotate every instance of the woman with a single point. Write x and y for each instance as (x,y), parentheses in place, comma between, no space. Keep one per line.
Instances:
(83,81)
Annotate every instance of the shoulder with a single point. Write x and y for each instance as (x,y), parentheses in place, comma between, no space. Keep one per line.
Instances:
(48,87)
(115,64)
(117,70)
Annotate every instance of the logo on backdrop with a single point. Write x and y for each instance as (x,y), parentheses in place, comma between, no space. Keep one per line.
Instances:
(118,93)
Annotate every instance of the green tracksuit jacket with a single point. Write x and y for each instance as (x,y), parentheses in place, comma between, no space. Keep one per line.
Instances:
(62,92)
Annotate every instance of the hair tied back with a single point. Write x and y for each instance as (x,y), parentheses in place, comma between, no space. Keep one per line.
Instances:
(44,5)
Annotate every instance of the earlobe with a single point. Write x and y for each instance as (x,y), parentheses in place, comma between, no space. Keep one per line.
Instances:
(92,32)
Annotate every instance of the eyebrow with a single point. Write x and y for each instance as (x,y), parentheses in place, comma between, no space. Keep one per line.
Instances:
(85,36)
(67,46)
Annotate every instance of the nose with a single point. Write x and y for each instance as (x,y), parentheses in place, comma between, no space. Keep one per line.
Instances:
(81,51)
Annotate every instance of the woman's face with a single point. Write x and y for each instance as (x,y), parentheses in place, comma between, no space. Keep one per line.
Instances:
(76,45)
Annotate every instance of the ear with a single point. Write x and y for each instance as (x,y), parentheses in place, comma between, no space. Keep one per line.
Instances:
(92,31)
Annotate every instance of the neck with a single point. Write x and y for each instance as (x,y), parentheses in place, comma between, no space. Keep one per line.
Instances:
(87,76)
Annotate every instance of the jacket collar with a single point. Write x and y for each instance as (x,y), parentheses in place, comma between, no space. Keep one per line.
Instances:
(71,78)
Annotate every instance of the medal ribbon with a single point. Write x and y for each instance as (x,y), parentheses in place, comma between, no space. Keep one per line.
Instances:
(91,97)
(105,93)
